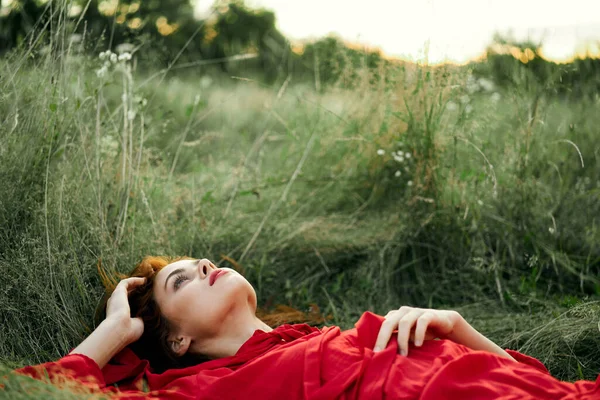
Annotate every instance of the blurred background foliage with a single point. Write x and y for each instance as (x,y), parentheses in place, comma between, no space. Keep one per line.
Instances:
(164,31)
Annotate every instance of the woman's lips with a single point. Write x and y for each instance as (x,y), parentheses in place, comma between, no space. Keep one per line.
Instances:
(216,273)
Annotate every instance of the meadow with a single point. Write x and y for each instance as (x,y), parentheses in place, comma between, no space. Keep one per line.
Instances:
(417,185)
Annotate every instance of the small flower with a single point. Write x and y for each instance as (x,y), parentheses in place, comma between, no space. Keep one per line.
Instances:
(480,202)
(398,156)
(409,183)
(124,97)
(472,85)
(468,108)
(205,82)
(103,55)
(397,174)
(380,152)
(451,106)
(196,100)
(131,115)
(486,84)
(124,57)
(101,73)
(113,58)
(407,155)
(495,97)
(551,230)
(464,99)
(140,100)
(124,47)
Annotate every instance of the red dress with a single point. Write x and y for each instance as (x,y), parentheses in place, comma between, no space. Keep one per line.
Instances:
(303,362)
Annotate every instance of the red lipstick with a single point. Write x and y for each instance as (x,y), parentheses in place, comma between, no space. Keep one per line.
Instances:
(215,274)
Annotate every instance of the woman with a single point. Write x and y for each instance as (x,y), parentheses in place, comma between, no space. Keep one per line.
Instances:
(189,314)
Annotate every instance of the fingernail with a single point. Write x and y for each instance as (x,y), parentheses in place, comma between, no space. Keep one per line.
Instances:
(403,352)
(418,343)
(376,349)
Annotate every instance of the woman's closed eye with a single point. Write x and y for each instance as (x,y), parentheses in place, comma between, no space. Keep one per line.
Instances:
(179,279)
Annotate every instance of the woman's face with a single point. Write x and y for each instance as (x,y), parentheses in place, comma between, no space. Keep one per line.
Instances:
(196,308)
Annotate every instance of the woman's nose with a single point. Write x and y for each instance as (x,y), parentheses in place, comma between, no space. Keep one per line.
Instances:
(205,267)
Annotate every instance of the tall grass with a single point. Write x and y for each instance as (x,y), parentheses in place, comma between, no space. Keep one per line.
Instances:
(492,209)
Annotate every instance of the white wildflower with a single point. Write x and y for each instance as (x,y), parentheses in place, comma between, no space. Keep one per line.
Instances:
(140,100)
(551,230)
(124,57)
(409,183)
(124,97)
(101,73)
(196,100)
(472,85)
(451,106)
(480,202)
(205,82)
(398,156)
(380,152)
(464,99)
(103,55)
(468,108)
(407,155)
(486,84)
(397,174)
(495,97)
(131,115)
(124,48)
(113,58)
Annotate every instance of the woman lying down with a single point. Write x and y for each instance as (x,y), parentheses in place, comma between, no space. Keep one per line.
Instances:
(185,329)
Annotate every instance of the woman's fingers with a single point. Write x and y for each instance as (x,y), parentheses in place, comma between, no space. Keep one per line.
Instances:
(388,326)
(421,329)
(135,282)
(118,298)
(385,333)
(130,283)
(404,327)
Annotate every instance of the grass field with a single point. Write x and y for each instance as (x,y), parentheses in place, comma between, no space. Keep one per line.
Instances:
(424,192)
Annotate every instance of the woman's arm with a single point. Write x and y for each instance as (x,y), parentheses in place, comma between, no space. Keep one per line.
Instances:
(463,333)
(429,324)
(117,330)
(105,341)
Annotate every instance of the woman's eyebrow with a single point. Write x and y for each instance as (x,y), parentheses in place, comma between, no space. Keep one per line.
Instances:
(178,270)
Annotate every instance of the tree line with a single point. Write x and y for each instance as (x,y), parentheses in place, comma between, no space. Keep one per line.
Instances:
(238,40)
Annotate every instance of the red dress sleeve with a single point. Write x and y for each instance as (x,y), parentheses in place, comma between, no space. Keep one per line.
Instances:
(81,375)
(483,375)
(71,368)
(525,359)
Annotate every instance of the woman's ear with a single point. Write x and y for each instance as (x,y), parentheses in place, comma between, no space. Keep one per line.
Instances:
(179,344)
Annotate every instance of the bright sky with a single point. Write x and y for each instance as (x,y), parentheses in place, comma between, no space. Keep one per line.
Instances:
(456,30)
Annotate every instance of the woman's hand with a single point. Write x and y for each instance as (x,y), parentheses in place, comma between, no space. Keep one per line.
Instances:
(430,324)
(118,328)
(118,311)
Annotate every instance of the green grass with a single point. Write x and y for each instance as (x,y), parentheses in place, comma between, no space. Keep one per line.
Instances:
(496,213)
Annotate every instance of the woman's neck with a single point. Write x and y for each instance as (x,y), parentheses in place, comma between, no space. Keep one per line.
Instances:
(237,329)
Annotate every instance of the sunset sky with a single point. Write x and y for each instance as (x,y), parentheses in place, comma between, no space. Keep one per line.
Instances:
(456,30)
